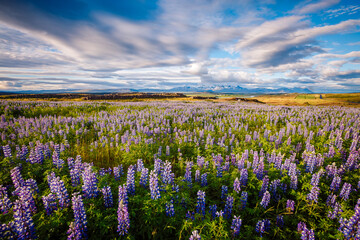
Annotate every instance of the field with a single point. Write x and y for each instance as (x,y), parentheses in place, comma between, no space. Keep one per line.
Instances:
(340,99)
(181,169)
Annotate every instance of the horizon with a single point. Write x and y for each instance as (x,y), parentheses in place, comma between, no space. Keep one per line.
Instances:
(165,44)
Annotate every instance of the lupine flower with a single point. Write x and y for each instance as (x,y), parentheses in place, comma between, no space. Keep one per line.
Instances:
(16,177)
(75,176)
(280,221)
(224,191)
(188,174)
(123,219)
(123,194)
(169,209)
(7,151)
(108,198)
(345,191)
(220,213)
(290,205)
(204,180)
(265,200)
(167,176)
(264,186)
(260,227)
(243,199)
(6,231)
(335,184)
(235,226)
(144,177)
(212,211)
(26,196)
(200,206)
(219,171)
(50,203)
(228,206)
(190,215)
(118,171)
(195,235)
(197,176)
(57,187)
(139,165)
(130,181)
(237,185)
(78,228)
(154,185)
(23,223)
(313,195)
(89,186)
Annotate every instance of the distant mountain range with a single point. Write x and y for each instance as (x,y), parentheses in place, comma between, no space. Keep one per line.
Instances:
(186,89)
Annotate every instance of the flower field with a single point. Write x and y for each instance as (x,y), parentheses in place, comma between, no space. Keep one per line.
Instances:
(178,170)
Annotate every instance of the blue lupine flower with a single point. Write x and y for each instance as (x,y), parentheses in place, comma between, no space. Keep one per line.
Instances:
(290,205)
(243,199)
(123,219)
(50,203)
(243,177)
(204,180)
(154,185)
(345,191)
(144,177)
(313,195)
(90,180)
(237,185)
(78,228)
(265,200)
(130,181)
(235,226)
(166,174)
(123,194)
(228,206)
(224,191)
(23,223)
(108,198)
(212,211)
(169,209)
(200,206)
(280,221)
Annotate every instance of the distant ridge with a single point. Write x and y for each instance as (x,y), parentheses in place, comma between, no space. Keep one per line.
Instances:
(185,89)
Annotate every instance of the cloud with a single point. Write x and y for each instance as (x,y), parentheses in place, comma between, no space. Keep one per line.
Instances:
(348,10)
(314,7)
(227,76)
(285,40)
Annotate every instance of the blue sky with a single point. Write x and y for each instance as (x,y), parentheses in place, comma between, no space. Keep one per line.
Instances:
(105,44)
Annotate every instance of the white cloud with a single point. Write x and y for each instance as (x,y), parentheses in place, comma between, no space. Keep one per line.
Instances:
(314,7)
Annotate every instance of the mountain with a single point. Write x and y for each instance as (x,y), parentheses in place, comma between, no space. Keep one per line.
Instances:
(185,89)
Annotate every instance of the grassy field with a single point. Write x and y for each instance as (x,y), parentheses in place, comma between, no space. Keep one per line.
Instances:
(338,99)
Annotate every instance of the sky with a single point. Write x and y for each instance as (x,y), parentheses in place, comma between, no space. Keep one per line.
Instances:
(133,44)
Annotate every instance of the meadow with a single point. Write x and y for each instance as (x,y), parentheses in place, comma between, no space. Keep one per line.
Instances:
(178,170)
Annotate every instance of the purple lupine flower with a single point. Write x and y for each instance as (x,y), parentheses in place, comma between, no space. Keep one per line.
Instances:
(57,161)
(264,186)
(144,177)
(7,151)
(26,196)
(187,176)
(293,182)
(219,171)
(307,234)
(350,228)
(118,171)
(197,175)
(123,218)
(130,181)
(23,223)
(265,200)
(6,231)
(315,179)
(89,186)
(200,206)
(345,191)
(335,184)
(166,174)
(71,162)
(212,211)
(224,191)
(195,235)
(123,194)
(75,176)
(16,177)
(280,221)
(260,227)
(5,203)
(169,209)
(313,195)
(290,205)
(167,150)
(235,226)
(204,180)
(139,165)
(336,212)
(243,199)
(31,183)
(50,203)
(78,228)
(57,187)
(228,206)
(154,185)
(108,198)
(237,185)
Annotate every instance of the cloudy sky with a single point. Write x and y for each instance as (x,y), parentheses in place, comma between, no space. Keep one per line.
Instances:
(105,44)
